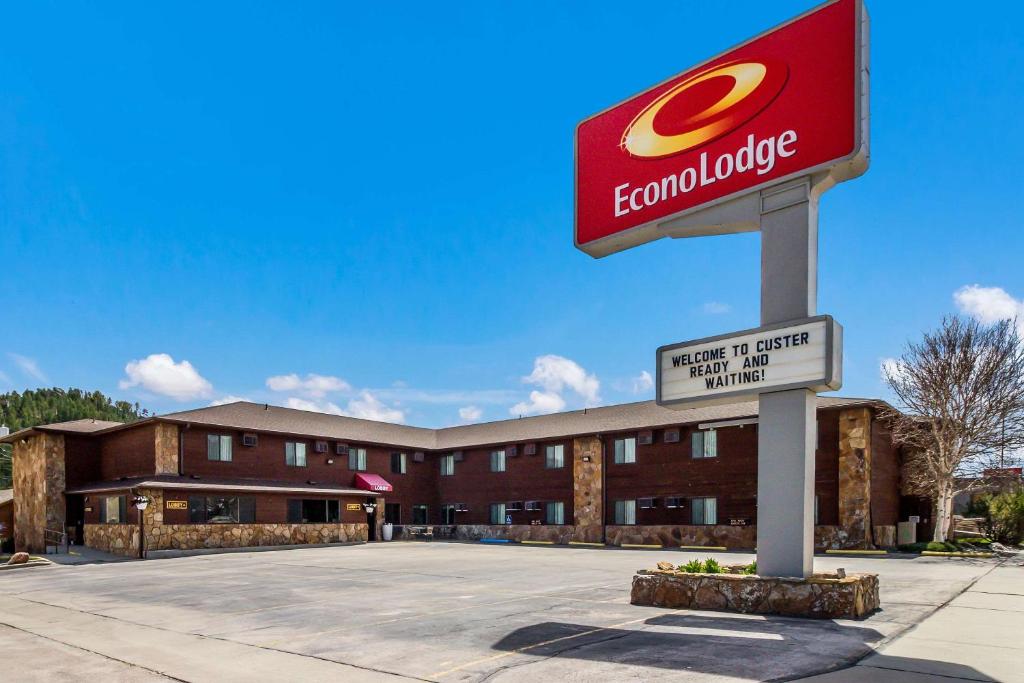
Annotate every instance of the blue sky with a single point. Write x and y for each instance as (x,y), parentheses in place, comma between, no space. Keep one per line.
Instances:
(201,201)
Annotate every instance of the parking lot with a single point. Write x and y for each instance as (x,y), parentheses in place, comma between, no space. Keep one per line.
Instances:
(427,611)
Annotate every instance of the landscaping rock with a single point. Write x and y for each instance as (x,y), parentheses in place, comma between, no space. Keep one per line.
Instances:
(18,558)
(666,566)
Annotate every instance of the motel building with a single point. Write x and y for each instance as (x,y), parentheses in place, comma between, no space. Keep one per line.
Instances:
(246,474)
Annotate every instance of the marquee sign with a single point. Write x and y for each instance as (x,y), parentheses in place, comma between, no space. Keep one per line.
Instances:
(788,103)
(802,354)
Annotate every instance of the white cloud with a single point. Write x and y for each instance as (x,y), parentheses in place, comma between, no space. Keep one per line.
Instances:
(541,403)
(224,400)
(369,407)
(29,366)
(716,308)
(470,413)
(890,367)
(157,373)
(314,385)
(365,406)
(643,382)
(556,373)
(989,304)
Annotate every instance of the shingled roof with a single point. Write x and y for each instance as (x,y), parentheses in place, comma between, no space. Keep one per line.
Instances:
(260,417)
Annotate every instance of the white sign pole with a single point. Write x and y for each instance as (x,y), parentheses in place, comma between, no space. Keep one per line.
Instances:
(787,419)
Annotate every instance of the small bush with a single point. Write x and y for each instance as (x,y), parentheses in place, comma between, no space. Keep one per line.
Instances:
(692,567)
(711,566)
(913,547)
(941,547)
(975,541)
(750,568)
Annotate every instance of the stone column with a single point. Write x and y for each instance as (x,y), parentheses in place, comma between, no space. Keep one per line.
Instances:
(38,478)
(587,489)
(855,476)
(166,448)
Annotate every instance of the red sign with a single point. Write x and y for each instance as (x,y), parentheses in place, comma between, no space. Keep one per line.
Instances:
(781,105)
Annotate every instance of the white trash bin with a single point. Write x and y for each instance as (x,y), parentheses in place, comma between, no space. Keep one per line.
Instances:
(387,530)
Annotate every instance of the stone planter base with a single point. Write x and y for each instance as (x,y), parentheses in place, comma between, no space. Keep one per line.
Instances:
(823,596)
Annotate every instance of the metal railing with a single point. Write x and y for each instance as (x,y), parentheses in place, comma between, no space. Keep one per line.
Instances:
(58,540)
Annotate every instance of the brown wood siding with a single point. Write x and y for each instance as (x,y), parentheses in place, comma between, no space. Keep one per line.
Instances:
(128,453)
(885,476)
(525,478)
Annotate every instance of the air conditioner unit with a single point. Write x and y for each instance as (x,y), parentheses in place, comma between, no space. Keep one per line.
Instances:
(249,439)
(320,447)
(461,507)
(533,505)
(645,438)
(530,449)
(341,448)
(647,503)
(671,436)
(674,502)
(514,506)
(458,456)
(511,451)
(418,456)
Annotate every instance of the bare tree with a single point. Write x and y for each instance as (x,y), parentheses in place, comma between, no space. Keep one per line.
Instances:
(961,399)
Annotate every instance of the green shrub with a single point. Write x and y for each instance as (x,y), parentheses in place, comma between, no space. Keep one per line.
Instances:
(1003,514)
(692,567)
(750,568)
(913,547)
(711,566)
(975,541)
(941,547)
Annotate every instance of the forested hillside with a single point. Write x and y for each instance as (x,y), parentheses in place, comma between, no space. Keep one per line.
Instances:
(42,406)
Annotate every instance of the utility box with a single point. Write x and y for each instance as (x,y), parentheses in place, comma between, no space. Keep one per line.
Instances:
(906,532)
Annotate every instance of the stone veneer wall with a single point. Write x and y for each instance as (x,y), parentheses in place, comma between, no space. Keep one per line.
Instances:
(119,539)
(166,448)
(38,480)
(855,475)
(587,489)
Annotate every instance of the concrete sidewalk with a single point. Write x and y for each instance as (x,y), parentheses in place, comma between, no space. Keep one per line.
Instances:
(977,636)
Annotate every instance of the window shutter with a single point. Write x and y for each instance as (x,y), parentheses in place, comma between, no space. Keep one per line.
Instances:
(247,510)
(294,511)
(196,510)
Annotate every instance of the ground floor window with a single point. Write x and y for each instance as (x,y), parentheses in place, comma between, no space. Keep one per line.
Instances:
(448,513)
(555,513)
(704,511)
(221,510)
(393,513)
(312,511)
(497,513)
(114,510)
(625,512)
(419,514)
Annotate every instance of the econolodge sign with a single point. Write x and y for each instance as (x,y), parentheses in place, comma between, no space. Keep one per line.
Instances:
(802,354)
(788,103)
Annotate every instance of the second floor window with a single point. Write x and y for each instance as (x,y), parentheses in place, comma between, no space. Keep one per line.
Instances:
(497,461)
(357,459)
(295,454)
(554,456)
(398,463)
(218,447)
(625,450)
(447,465)
(705,444)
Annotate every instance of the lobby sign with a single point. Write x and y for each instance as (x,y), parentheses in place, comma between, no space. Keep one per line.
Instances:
(353,507)
(801,354)
(788,103)
(177,505)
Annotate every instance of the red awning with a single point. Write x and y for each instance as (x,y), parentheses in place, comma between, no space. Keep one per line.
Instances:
(372,482)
